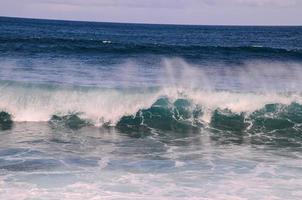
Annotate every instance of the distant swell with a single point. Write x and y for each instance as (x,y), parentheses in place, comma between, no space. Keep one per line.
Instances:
(83,46)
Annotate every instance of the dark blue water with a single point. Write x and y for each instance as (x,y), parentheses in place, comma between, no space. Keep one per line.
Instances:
(134,111)
(98,47)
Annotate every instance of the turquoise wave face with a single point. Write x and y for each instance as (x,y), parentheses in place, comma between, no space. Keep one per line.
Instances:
(72,121)
(228,121)
(271,118)
(5,121)
(277,117)
(179,115)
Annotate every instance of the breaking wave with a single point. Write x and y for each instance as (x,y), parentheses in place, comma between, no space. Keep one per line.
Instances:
(170,109)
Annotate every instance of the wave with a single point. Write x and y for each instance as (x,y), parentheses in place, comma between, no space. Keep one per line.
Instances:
(84,46)
(274,124)
(183,116)
(162,109)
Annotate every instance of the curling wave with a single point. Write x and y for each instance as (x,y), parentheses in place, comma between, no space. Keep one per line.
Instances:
(169,109)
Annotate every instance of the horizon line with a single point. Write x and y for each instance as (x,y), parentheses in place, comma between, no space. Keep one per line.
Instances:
(145,23)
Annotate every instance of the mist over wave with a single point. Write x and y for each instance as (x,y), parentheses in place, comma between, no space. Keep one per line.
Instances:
(255,75)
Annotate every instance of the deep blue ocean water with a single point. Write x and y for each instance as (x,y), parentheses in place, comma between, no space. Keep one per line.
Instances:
(45,51)
(133,111)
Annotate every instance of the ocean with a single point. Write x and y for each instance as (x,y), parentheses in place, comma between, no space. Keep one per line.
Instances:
(134,111)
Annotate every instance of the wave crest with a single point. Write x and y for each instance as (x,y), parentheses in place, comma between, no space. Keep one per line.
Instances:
(184,114)
(162,108)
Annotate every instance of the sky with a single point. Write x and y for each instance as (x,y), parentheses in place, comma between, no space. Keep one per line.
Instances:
(202,12)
